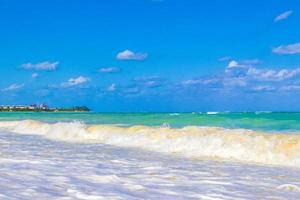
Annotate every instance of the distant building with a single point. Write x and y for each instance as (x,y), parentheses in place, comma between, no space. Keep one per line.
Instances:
(40,108)
(24,107)
(43,106)
(32,107)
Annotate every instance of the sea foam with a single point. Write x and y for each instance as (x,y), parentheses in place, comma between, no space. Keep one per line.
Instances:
(191,141)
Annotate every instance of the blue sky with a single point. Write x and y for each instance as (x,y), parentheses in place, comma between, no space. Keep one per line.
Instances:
(151,55)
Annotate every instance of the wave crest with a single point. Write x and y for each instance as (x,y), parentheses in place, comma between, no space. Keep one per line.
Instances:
(193,142)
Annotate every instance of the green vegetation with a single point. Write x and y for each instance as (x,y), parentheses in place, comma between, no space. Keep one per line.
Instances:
(74,109)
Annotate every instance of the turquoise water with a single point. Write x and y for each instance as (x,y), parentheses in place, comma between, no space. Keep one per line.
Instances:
(285,122)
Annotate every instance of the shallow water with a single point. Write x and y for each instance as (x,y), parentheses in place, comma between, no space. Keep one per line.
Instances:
(262,121)
(32,167)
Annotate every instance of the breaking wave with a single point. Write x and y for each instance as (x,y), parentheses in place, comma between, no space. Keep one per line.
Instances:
(191,141)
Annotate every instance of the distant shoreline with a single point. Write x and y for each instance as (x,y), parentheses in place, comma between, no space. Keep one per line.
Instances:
(41,108)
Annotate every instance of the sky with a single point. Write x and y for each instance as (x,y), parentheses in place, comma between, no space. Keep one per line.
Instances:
(151,55)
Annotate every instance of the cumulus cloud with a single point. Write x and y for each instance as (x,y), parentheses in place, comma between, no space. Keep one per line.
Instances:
(129,55)
(272,75)
(75,81)
(45,66)
(287,49)
(251,72)
(232,64)
(283,16)
(13,87)
(246,76)
(109,70)
(243,63)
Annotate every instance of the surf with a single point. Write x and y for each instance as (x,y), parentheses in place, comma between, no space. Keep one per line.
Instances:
(191,141)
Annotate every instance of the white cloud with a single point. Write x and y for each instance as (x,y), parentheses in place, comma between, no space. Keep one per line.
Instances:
(287,49)
(249,72)
(35,75)
(75,81)
(283,16)
(111,88)
(13,87)
(46,66)
(243,75)
(272,75)
(109,70)
(243,63)
(248,69)
(232,64)
(129,55)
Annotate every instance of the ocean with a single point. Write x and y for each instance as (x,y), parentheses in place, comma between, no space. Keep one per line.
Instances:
(208,156)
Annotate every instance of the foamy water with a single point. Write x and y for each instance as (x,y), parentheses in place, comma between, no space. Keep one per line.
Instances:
(191,142)
(32,167)
(77,160)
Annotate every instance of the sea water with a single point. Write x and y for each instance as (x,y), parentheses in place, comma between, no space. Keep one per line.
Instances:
(150,156)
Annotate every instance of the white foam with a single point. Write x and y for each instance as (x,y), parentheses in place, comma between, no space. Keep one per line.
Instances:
(33,167)
(81,195)
(289,188)
(212,113)
(192,142)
